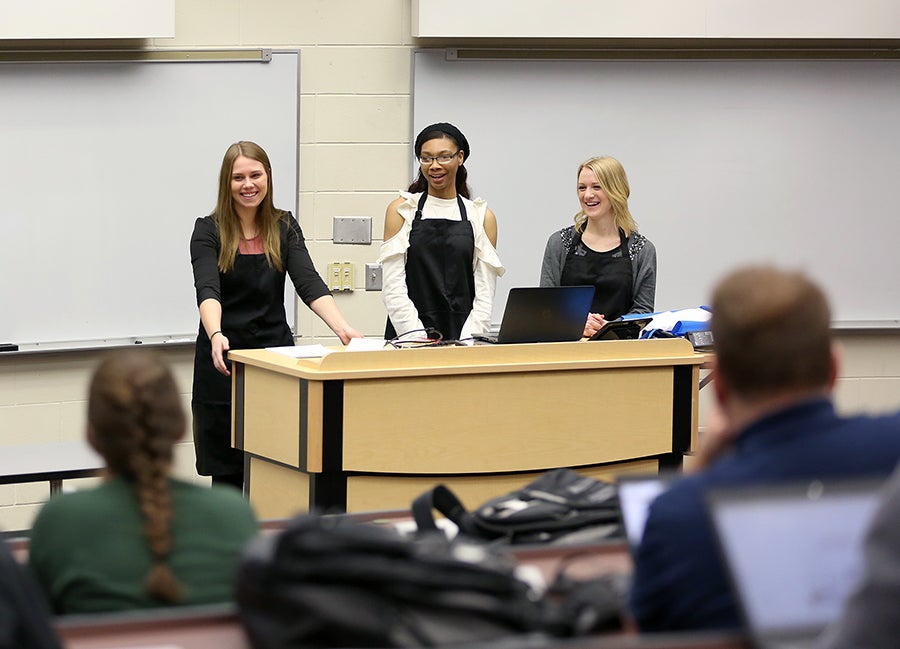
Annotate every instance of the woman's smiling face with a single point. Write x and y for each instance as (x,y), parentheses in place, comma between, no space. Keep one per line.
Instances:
(594,201)
(441,176)
(249,183)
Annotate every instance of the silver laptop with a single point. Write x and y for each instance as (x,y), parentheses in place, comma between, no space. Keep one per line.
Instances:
(543,314)
(636,493)
(794,554)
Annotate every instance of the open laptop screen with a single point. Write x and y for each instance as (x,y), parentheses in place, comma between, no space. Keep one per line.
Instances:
(544,314)
(636,493)
(793,552)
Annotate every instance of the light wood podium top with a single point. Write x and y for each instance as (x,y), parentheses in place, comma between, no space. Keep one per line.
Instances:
(477,359)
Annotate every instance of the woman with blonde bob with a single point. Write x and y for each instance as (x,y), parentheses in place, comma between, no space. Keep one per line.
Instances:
(141,539)
(603,248)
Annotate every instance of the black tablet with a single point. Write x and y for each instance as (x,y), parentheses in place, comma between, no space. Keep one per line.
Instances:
(621,329)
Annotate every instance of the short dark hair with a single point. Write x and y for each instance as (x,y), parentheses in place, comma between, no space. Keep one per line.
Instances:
(772,332)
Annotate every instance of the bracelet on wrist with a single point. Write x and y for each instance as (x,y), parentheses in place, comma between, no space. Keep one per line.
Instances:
(214,333)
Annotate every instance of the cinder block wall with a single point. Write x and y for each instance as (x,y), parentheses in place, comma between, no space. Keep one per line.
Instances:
(354,155)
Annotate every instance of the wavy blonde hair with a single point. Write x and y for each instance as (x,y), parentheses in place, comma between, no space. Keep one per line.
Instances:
(225,216)
(614,182)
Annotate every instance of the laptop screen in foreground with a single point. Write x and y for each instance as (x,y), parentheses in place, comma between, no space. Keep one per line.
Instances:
(794,553)
(636,493)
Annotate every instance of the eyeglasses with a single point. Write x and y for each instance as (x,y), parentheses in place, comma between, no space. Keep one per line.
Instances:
(444,158)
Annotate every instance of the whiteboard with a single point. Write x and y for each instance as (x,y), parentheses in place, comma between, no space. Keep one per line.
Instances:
(730,162)
(106,166)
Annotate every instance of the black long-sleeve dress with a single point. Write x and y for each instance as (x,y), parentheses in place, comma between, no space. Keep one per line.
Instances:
(253,316)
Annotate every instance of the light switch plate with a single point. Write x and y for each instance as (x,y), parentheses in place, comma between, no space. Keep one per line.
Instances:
(352,229)
(373,277)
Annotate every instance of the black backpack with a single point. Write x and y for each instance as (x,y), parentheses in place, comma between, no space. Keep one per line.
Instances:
(327,581)
(561,506)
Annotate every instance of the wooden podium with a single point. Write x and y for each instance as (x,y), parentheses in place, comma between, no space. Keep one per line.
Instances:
(370,430)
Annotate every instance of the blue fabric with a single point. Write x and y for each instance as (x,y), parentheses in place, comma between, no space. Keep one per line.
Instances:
(679,582)
(684,326)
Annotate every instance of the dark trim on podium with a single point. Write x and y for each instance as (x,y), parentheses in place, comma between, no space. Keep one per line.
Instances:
(682,409)
(237,370)
(246,488)
(332,426)
(304,425)
(328,490)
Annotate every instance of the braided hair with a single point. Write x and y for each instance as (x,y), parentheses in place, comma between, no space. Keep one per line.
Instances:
(134,419)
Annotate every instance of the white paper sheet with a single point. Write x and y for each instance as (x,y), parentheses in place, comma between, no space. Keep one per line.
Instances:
(365,344)
(301,351)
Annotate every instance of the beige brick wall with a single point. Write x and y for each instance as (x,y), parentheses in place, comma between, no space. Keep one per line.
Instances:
(869,375)
(354,144)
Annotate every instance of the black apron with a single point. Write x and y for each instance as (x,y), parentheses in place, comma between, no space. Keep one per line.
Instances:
(439,277)
(608,272)
(252,295)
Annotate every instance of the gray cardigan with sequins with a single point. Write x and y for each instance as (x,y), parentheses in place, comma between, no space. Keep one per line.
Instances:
(643,265)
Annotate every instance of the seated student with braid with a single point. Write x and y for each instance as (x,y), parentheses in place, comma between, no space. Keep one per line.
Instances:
(141,539)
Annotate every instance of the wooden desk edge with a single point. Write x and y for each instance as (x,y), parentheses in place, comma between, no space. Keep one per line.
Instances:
(341,364)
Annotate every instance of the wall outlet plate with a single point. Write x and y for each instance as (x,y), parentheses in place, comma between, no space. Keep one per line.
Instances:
(339,276)
(352,230)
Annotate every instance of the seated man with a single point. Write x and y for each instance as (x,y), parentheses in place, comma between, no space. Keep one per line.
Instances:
(775,368)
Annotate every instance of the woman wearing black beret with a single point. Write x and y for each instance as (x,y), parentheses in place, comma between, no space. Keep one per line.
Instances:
(439,258)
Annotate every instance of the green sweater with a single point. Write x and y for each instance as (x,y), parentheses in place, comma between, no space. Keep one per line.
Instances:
(89,553)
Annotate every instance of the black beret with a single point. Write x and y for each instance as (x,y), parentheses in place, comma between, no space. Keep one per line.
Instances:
(427,133)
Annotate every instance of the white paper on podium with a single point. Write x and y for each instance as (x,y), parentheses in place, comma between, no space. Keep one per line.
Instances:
(301,351)
(365,344)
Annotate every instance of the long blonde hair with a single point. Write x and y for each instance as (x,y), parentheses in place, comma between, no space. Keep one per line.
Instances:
(225,216)
(612,178)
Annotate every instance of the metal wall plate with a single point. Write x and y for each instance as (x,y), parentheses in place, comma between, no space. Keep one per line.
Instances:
(373,277)
(352,229)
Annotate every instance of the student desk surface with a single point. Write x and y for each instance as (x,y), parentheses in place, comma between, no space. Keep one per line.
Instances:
(220,627)
(368,430)
(53,462)
(222,630)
